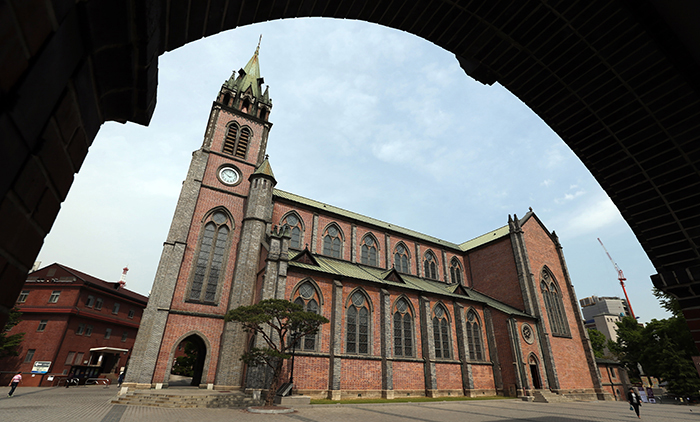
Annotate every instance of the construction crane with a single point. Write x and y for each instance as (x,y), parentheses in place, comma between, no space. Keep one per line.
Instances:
(621,277)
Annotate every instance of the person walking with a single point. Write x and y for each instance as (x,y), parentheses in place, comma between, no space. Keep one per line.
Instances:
(634,400)
(14,383)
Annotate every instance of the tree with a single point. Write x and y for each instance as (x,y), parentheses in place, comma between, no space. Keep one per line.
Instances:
(10,344)
(664,348)
(184,365)
(276,321)
(598,341)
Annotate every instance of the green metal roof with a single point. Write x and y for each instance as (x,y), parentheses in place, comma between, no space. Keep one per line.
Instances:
(363,273)
(249,78)
(498,233)
(265,168)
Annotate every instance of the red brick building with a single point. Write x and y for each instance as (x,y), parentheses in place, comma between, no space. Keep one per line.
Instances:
(79,325)
(409,314)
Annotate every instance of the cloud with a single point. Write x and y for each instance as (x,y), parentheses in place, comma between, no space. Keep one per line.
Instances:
(590,219)
(546,183)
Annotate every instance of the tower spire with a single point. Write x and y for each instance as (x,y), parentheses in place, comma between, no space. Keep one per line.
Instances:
(244,89)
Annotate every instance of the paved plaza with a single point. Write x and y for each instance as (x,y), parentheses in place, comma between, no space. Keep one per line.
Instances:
(93,404)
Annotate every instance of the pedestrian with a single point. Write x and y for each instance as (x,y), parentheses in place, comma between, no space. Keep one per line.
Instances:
(120,380)
(14,383)
(634,400)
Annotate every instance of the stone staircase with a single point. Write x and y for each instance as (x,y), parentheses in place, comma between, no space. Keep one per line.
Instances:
(211,399)
(547,396)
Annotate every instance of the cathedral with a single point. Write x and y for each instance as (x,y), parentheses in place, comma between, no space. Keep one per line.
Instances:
(410,314)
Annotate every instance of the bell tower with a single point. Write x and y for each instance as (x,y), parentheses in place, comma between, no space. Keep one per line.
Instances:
(210,259)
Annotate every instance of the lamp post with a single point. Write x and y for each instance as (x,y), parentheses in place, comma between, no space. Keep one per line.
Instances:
(294,348)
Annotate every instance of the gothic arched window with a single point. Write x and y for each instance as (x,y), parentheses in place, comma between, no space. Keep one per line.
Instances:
(474,336)
(295,227)
(308,298)
(554,305)
(401,259)
(441,332)
(403,329)
(236,142)
(369,251)
(332,245)
(455,271)
(212,248)
(357,324)
(430,266)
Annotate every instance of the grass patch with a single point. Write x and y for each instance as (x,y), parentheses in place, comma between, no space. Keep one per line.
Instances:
(406,400)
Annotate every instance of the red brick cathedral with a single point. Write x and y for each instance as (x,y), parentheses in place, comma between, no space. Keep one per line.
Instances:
(409,314)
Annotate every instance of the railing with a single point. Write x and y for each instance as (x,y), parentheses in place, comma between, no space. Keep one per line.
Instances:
(104,381)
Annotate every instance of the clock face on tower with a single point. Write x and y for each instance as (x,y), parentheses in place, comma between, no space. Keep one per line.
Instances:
(229,175)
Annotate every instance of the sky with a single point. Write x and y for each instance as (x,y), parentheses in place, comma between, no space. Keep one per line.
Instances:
(366,118)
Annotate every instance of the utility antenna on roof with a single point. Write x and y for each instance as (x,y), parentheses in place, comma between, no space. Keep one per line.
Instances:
(122,280)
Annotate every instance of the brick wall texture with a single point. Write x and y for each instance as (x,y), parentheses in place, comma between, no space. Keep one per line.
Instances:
(491,276)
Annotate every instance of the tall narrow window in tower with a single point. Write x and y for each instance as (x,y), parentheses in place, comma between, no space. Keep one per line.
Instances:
(368,255)
(474,336)
(242,145)
(430,265)
(357,319)
(554,305)
(210,259)
(401,259)
(403,329)
(307,297)
(332,245)
(294,224)
(230,141)
(236,141)
(455,271)
(441,332)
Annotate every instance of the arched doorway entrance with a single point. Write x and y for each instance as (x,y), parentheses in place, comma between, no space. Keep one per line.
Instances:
(535,373)
(188,362)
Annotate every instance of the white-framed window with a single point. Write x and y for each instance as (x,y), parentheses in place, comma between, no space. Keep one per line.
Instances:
(42,325)
(54,296)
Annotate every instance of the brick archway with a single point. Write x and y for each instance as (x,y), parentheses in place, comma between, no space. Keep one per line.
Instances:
(617,80)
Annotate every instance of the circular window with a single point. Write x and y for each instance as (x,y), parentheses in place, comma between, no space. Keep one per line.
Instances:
(292,220)
(358,299)
(369,241)
(401,249)
(528,334)
(439,312)
(333,232)
(219,218)
(471,317)
(306,291)
(401,306)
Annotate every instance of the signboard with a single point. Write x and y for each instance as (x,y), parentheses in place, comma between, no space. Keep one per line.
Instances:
(41,366)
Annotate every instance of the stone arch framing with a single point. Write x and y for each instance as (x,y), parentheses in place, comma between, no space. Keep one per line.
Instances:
(629,117)
(370,309)
(173,348)
(450,323)
(414,330)
(319,296)
(553,301)
(460,268)
(408,255)
(532,359)
(341,236)
(430,254)
(315,286)
(377,245)
(481,333)
(302,225)
(224,263)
